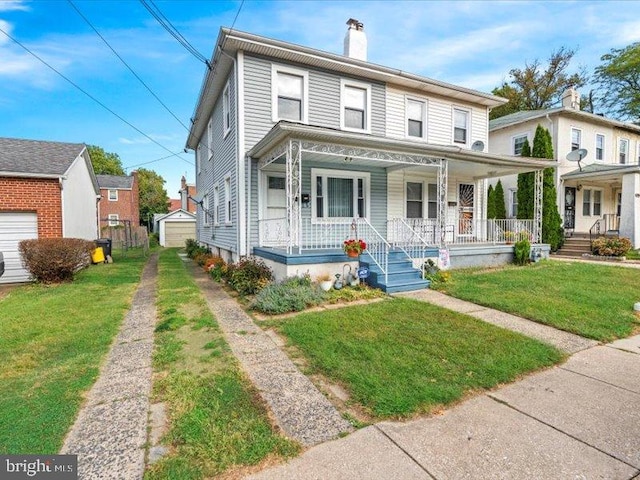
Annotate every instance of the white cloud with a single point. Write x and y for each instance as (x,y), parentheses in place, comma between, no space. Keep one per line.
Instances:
(13,5)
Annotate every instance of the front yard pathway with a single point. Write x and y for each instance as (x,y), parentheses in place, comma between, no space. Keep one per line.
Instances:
(565,341)
(299,408)
(110,433)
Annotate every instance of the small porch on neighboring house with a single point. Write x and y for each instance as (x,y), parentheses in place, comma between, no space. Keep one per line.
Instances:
(409,201)
(602,200)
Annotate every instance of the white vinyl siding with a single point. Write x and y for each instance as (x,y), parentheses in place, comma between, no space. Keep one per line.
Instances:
(290,94)
(113,195)
(355,110)
(599,147)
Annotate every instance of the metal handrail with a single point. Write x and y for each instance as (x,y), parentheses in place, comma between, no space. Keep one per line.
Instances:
(408,241)
(377,246)
(595,230)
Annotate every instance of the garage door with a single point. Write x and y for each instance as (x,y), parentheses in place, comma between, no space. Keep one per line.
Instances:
(175,233)
(15,226)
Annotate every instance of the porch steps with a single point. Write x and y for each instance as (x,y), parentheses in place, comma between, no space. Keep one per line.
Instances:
(401,276)
(575,246)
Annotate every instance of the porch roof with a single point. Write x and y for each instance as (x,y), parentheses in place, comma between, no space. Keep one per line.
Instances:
(601,172)
(392,153)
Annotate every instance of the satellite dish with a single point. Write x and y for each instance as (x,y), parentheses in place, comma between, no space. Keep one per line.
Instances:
(478,146)
(577,155)
(197,198)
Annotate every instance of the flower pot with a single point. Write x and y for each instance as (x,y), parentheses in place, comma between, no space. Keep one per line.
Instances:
(352,253)
(326,285)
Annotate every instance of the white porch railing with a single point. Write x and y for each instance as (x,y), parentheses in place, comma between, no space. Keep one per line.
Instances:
(274,232)
(325,233)
(406,236)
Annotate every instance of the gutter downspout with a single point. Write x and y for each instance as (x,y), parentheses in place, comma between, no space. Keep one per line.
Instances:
(61,183)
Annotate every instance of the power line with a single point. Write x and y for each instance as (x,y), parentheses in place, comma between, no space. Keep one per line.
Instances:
(89,95)
(127,65)
(153,161)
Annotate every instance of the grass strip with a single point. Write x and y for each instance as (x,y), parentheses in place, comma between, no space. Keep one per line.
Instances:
(595,301)
(54,338)
(402,357)
(216,419)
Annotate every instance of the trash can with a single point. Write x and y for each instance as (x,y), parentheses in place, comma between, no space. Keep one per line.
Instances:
(105,243)
(97,256)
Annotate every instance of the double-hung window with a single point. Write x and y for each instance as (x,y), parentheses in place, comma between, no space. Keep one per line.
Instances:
(227,200)
(356,106)
(113,195)
(216,205)
(586,203)
(460,126)
(599,147)
(205,210)
(416,118)
(591,202)
(226,110)
(290,94)
(513,203)
(518,143)
(576,139)
(340,194)
(113,220)
(210,139)
(623,150)
(638,156)
(415,200)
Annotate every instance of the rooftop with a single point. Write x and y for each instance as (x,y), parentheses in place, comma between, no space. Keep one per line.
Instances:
(36,157)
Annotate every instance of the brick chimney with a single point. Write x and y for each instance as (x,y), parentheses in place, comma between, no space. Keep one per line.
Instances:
(355,41)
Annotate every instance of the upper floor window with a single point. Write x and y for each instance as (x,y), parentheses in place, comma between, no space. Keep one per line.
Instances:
(623,152)
(599,147)
(460,126)
(113,195)
(226,110)
(210,139)
(416,118)
(638,151)
(518,143)
(227,199)
(356,106)
(289,91)
(576,139)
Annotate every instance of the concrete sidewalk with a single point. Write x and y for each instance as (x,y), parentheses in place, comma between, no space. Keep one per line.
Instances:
(577,421)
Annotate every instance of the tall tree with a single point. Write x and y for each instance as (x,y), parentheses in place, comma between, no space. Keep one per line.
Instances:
(619,80)
(498,201)
(525,188)
(105,163)
(491,204)
(153,196)
(535,87)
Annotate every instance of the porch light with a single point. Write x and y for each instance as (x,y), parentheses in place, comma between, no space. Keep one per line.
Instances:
(579,187)
(348,160)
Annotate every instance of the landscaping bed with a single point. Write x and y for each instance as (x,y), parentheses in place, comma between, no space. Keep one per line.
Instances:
(403,357)
(595,301)
(53,340)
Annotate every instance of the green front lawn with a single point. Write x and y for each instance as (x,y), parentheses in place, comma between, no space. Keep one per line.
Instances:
(217,421)
(52,343)
(595,301)
(400,357)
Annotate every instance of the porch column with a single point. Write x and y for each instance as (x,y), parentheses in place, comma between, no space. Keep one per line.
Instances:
(293,191)
(480,214)
(537,207)
(443,172)
(630,208)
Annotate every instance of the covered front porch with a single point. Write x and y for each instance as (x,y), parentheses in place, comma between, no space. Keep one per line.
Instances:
(317,187)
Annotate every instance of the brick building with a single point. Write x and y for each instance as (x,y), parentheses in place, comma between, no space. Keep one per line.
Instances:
(120,200)
(47,190)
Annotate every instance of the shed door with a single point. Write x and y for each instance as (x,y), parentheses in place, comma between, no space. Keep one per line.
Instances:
(14,227)
(176,233)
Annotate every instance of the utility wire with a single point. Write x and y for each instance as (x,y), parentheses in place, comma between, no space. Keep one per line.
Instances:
(127,65)
(153,161)
(89,95)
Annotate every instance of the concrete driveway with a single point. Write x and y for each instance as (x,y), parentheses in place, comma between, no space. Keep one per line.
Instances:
(580,420)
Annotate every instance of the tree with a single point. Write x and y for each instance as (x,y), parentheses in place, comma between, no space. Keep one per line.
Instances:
(153,196)
(619,80)
(526,183)
(498,200)
(535,88)
(105,163)
(491,205)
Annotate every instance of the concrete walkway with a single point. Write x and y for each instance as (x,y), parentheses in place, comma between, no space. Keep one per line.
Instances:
(299,408)
(577,421)
(558,258)
(110,433)
(568,342)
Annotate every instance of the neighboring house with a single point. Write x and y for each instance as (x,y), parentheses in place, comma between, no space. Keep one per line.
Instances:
(298,149)
(599,195)
(174,228)
(187,190)
(47,190)
(120,200)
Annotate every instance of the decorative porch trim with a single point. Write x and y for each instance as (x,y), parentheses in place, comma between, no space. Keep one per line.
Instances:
(537,206)
(293,174)
(443,172)
(273,154)
(367,153)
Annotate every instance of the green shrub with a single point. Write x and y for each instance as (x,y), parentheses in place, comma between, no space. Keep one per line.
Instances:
(291,295)
(611,247)
(522,252)
(190,246)
(249,276)
(154,239)
(52,260)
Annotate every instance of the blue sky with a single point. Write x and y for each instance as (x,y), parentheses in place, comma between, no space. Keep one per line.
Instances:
(474,44)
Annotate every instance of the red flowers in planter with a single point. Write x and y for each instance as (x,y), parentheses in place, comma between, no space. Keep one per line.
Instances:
(354,247)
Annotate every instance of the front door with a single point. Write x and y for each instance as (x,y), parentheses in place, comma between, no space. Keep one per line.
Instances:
(569,208)
(274,231)
(466,193)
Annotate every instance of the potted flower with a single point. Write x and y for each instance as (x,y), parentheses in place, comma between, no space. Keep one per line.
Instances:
(354,247)
(325,281)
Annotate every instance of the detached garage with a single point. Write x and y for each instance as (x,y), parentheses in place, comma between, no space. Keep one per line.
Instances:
(14,227)
(176,227)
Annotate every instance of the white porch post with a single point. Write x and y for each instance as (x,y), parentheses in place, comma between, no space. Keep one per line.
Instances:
(630,208)
(442,201)
(293,192)
(537,206)
(481,209)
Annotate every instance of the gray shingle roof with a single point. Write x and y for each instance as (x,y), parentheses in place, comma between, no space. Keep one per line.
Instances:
(37,157)
(594,168)
(518,117)
(115,181)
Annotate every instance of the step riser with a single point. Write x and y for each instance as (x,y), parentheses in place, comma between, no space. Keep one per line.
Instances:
(401,276)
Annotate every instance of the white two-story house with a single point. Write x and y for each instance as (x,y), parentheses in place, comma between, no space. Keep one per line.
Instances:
(599,194)
(299,149)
